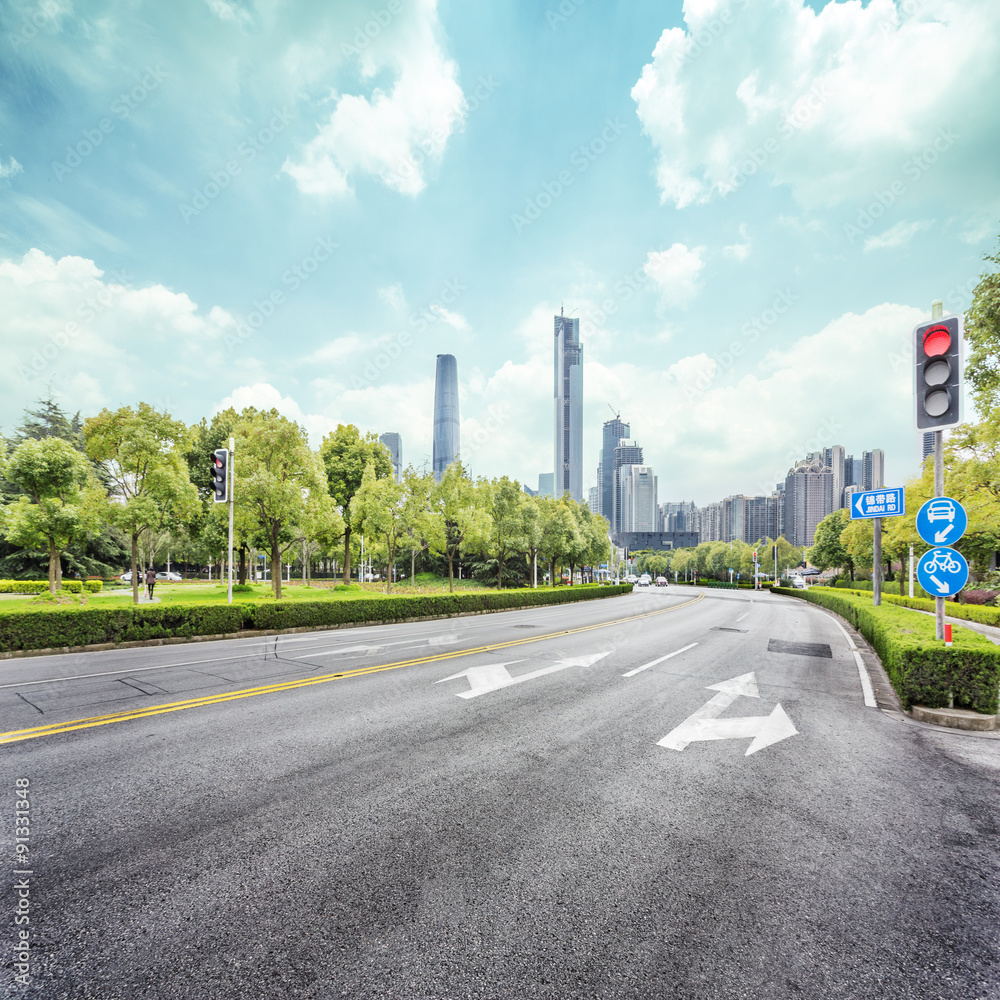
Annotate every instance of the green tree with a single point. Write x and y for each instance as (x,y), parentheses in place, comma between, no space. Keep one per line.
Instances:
(827,550)
(455,516)
(379,510)
(60,501)
(276,474)
(982,333)
(501,499)
(346,454)
(139,454)
(48,420)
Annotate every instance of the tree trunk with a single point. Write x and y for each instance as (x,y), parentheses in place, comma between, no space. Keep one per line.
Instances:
(52,567)
(135,569)
(451,574)
(243,565)
(347,554)
(276,567)
(58,571)
(413,565)
(552,574)
(500,572)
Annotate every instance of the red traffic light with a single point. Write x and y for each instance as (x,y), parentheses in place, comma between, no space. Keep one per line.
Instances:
(937,340)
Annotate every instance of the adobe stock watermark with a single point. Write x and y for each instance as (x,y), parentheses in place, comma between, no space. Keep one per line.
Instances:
(377,22)
(23,873)
(580,160)
(497,416)
(121,107)
(245,153)
(292,278)
(48,12)
(87,310)
(437,309)
(407,167)
(750,332)
(913,170)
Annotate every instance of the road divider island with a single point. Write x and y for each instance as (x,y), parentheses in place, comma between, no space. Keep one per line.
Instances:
(74,628)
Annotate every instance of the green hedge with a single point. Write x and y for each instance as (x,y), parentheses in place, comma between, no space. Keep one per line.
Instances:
(55,628)
(922,669)
(891,587)
(40,586)
(968,612)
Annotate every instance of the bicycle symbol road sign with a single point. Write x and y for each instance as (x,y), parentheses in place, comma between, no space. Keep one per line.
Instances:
(942,572)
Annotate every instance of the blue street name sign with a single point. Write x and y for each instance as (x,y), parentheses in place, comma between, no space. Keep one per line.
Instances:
(942,521)
(878,503)
(942,572)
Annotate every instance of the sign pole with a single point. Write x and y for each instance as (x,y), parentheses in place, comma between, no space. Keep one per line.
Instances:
(937,311)
(232,483)
(911,571)
(877,574)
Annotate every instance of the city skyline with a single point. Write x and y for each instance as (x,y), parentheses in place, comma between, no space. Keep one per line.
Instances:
(354,200)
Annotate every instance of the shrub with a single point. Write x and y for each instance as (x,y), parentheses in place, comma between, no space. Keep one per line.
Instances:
(922,669)
(978,596)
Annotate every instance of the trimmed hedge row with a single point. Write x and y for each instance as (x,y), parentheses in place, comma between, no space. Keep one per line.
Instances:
(55,628)
(40,586)
(922,669)
(969,612)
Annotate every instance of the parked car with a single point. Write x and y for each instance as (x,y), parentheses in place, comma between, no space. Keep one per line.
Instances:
(661,581)
(174,577)
(126,577)
(645,580)
(798,582)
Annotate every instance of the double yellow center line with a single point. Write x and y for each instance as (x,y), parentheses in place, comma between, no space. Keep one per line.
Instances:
(17,735)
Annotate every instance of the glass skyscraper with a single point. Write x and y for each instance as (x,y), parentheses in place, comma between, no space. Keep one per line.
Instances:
(447,444)
(568,398)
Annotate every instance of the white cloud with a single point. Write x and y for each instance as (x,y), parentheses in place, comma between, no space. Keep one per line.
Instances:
(393,297)
(10,169)
(676,272)
(224,10)
(833,102)
(392,135)
(453,319)
(897,236)
(739,251)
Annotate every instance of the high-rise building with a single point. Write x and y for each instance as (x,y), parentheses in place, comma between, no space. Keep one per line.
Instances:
(711,522)
(568,399)
(447,443)
(594,499)
(626,452)
(613,432)
(545,480)
(874,470)
(927,447)
(835,460)
(637,498)
(807,487)
(394,443)
(682,516)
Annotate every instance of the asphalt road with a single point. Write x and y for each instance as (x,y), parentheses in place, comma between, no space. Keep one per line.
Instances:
(515,805)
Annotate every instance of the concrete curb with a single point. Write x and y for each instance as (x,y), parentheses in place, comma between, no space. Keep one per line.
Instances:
(955,718)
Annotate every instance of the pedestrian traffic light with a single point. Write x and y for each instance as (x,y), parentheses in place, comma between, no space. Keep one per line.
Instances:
(220,482)
(937,373)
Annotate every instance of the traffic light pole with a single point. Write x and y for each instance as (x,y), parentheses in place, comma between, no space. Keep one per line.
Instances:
(937,311)
(232,483)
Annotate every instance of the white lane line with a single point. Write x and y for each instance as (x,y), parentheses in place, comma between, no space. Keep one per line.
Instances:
(866,683)
(742,616)
(653,663)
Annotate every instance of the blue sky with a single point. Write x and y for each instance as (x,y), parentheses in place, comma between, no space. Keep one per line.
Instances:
(748,204)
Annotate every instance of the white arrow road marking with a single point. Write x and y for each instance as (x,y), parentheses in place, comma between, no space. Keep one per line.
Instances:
(943,588)
(494,676)
(940,536)
(704,724)
(652,663)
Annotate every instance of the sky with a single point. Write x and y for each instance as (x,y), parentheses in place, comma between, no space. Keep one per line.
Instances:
(749,204)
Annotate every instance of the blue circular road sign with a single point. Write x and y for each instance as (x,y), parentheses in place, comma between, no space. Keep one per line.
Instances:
(941,521)
(942,572)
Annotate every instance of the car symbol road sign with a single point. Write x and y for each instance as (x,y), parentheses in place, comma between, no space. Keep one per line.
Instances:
(942,572)
(941,521)
(889,502)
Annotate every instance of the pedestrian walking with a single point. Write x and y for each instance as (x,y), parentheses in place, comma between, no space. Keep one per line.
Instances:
(150,581)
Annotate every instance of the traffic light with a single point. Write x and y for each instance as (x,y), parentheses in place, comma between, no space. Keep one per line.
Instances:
(937,373)
(220,470)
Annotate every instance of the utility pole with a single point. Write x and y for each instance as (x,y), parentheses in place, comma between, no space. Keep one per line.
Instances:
(232,483)
(937,311)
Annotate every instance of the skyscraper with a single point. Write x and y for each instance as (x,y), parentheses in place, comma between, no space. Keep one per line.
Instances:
(568,399)
(637,503)
(447,444)
(394,443)
(874,469)
(614,431)
(626,452)
(807,486)
(927,446)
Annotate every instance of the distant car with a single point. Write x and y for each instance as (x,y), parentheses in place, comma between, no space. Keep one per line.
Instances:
(169,576)
(631,578)
(644,580)
(798,582)
(941,510)
(661,581)
(126,577)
